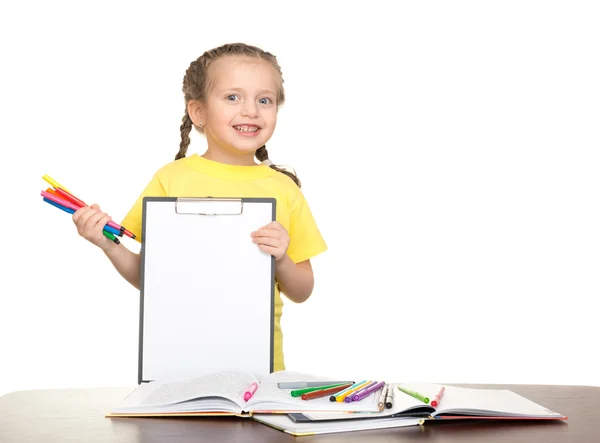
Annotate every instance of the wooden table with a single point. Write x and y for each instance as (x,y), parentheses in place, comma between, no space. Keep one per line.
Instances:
(78,415)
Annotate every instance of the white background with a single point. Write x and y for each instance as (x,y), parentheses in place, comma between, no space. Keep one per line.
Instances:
(448,150)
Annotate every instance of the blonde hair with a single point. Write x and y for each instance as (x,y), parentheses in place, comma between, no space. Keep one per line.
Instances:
(196,83)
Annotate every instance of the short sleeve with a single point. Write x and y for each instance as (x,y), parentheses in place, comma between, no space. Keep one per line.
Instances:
(133,219)
(306,240)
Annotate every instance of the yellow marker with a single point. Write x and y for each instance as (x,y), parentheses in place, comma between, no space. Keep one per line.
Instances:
(54,183)
(343,395)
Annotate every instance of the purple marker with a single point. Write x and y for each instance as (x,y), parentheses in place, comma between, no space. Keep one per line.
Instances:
(366,392)
(352,397)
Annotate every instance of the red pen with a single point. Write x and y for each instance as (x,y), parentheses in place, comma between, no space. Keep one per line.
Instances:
(59,200)
(250,391)
(80,203)
(438,397)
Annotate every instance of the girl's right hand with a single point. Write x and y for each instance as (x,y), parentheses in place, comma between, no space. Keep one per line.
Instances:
(90,222)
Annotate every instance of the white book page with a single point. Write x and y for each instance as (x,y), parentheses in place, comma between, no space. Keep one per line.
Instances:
(230,385)
(458,400)
(283,422)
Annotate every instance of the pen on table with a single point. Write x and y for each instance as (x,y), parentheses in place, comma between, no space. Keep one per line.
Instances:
(250,391)
(324,392)
(299,392)
(350,398)
(414,394)
(354,385)
(342,396)
(438,397)
(309,384)
(389,399)
(381,402)
(366,392)
(70,211)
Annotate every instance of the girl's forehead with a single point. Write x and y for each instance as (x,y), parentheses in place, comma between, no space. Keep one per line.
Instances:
(243,72)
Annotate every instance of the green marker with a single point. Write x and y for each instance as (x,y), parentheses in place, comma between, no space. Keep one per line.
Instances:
(414,394)
(111,237)
(299,392)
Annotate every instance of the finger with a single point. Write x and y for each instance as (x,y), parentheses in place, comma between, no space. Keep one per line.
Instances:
(268,241)
(94,220)
(83,214)
(266,232)
(268,249)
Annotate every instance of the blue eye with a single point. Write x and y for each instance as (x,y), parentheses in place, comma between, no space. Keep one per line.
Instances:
(264,101)
(229,97)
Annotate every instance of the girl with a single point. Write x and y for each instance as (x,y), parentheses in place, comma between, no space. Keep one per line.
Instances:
(232,96)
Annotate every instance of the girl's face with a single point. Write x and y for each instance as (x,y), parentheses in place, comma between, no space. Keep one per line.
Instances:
(240,112)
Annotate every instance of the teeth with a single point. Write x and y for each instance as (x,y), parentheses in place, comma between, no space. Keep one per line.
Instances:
(246,128)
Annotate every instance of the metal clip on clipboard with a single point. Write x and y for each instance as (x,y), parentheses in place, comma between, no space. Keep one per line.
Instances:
(209,206)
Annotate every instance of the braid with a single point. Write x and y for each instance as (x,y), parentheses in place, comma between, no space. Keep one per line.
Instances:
(185,128)
(262,154)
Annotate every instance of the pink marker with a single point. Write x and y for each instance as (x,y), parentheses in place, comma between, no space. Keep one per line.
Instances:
(438,397)
(250,391)
(60,201)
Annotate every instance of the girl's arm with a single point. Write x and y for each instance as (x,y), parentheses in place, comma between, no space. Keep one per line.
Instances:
(296,280)
(126,263)
(90,222)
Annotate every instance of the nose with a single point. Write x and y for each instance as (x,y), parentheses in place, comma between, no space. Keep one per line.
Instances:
(250,109)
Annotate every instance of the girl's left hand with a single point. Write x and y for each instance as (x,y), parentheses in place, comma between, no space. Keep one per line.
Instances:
(272,239)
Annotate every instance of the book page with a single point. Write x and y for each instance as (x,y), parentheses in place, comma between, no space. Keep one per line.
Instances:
(492,402)
(229,385)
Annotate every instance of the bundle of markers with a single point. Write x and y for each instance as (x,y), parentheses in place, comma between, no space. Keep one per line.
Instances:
(342,391)
(61,198)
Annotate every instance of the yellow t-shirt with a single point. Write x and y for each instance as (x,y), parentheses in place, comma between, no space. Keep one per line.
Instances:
(195,176)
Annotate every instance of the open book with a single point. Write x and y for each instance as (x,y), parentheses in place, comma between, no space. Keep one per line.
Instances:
(456,402)
(223,394)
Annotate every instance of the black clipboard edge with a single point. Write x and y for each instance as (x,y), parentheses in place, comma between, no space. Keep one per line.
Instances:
(145,201)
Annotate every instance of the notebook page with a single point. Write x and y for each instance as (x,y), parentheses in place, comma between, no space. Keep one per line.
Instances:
(284,423)
(491,402)
(231,385)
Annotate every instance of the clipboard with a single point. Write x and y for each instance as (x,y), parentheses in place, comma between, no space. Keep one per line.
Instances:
(207,292)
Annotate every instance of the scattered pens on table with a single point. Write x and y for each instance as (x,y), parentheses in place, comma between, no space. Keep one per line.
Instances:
(353,385)
(250,391)
(436,400)
(351,390)
(299,392)
(309,384)
(368,391)
(389,399)
(324,392)
(414,394)
(349,398)
(381,402)
(63,199)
